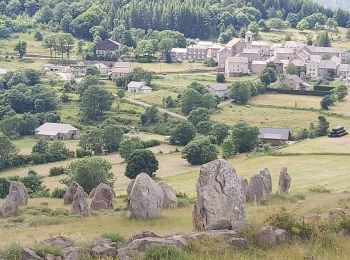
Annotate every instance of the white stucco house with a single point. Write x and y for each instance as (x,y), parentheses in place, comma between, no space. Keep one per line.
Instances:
(139,87)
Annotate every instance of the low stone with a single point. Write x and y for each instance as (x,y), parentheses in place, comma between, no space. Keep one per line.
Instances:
(222,223)
(240,243)
(123,254)
(75,253)
(52,257)
(21,190)
(100,240)
(29,254)
(70,193)
(142,234)
(345,232)
(80,204)
(140,245)
(170,199)
(11,205)
(60,241)
(266,237)
(225,235)
(105,250)
(239,226)
(282,236)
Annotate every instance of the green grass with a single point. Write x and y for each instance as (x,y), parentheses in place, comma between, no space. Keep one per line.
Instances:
(173,67)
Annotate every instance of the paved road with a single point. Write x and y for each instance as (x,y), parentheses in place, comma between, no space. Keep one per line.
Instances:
(161,110)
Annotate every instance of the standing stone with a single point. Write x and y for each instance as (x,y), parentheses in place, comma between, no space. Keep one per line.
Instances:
(70,193)
(170,200)
(103,198)
(219,195)
(146,198)
(284,181)
(128,190)
(11,205)
(80,205)
(260,186)
(21,190)
(244,188)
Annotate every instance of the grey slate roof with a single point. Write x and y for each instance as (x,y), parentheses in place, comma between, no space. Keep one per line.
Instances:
(54,129)
(274,133)
(218,87)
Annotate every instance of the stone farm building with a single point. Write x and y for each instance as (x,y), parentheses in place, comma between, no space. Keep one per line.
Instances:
(139,87)
(274,136)
(57,131)
(106,47)
(218,89)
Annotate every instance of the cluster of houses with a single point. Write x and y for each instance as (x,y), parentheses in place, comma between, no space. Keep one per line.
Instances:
(244,56)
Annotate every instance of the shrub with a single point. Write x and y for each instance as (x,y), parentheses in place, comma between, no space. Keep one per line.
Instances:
(4,187)
(115,238)
(141,161)
(200,151)
(319,189)
(286,220)
(42,250)
(183,133)
(58,193)
(45,221)
(129,145)
(80,153)
(56,171)
(13,251)
(150,143)
(164,252)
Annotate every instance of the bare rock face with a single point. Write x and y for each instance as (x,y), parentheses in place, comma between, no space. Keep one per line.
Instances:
(266,237)
(103,198)
(11,205)
(219,195)
(146,198)
(260,186)
(282,236)
(80,204)
(284,181)
(220,224)
(70,193)
(128,190)
(21,190)
(244,188)
(142,234)
(170,200)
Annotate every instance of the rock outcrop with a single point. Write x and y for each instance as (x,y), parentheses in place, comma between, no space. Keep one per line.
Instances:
(103,197)
(60,242)
(260,186)
(284,181)
(80,204)
(146,198)
(266,237)
(170,200)
(70,193)
(21,191)
(219,195)
(244,188)
(11,205)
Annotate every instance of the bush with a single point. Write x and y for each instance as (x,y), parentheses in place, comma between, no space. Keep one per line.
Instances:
(4,187)
(13,251)
(42,250)
(200,151)
(141,161)
(319,189)
(164,252)
(129,145)
(115,238)
(56,171)
(183,133)
(58,193)
(81,153)
(150,143)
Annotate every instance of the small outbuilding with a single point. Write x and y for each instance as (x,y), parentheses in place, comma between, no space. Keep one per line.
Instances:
(218,89)
(57,131)
(139,87)
(274,136)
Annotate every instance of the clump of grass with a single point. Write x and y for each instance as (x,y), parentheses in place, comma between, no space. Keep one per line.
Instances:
(45,221)
(59,212)
(182,200)
(40,210)
(115,238)
(42,250)
(164,252)
(17,220)
(13,251)
(44,203)
(319,189)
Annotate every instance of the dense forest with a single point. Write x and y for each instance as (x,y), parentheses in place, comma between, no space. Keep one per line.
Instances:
(335,4)
(194,18)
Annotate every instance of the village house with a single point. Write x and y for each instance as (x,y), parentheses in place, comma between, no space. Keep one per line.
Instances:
(179,53)
(197,52)
(218,89)
(274,136)
(324,69)
(325,52)
(236,66)
(235,46)
(258,66)
(120,69)
(300,66)
(285,53)
(279,65)
(103,69)
(221,57)
(252,54)
(344,71)
(57,131)
(294,45)
(213,51)
(295,82)
(106,47)
(139,87)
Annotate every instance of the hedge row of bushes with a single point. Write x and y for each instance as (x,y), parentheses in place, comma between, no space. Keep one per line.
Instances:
(298,92)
